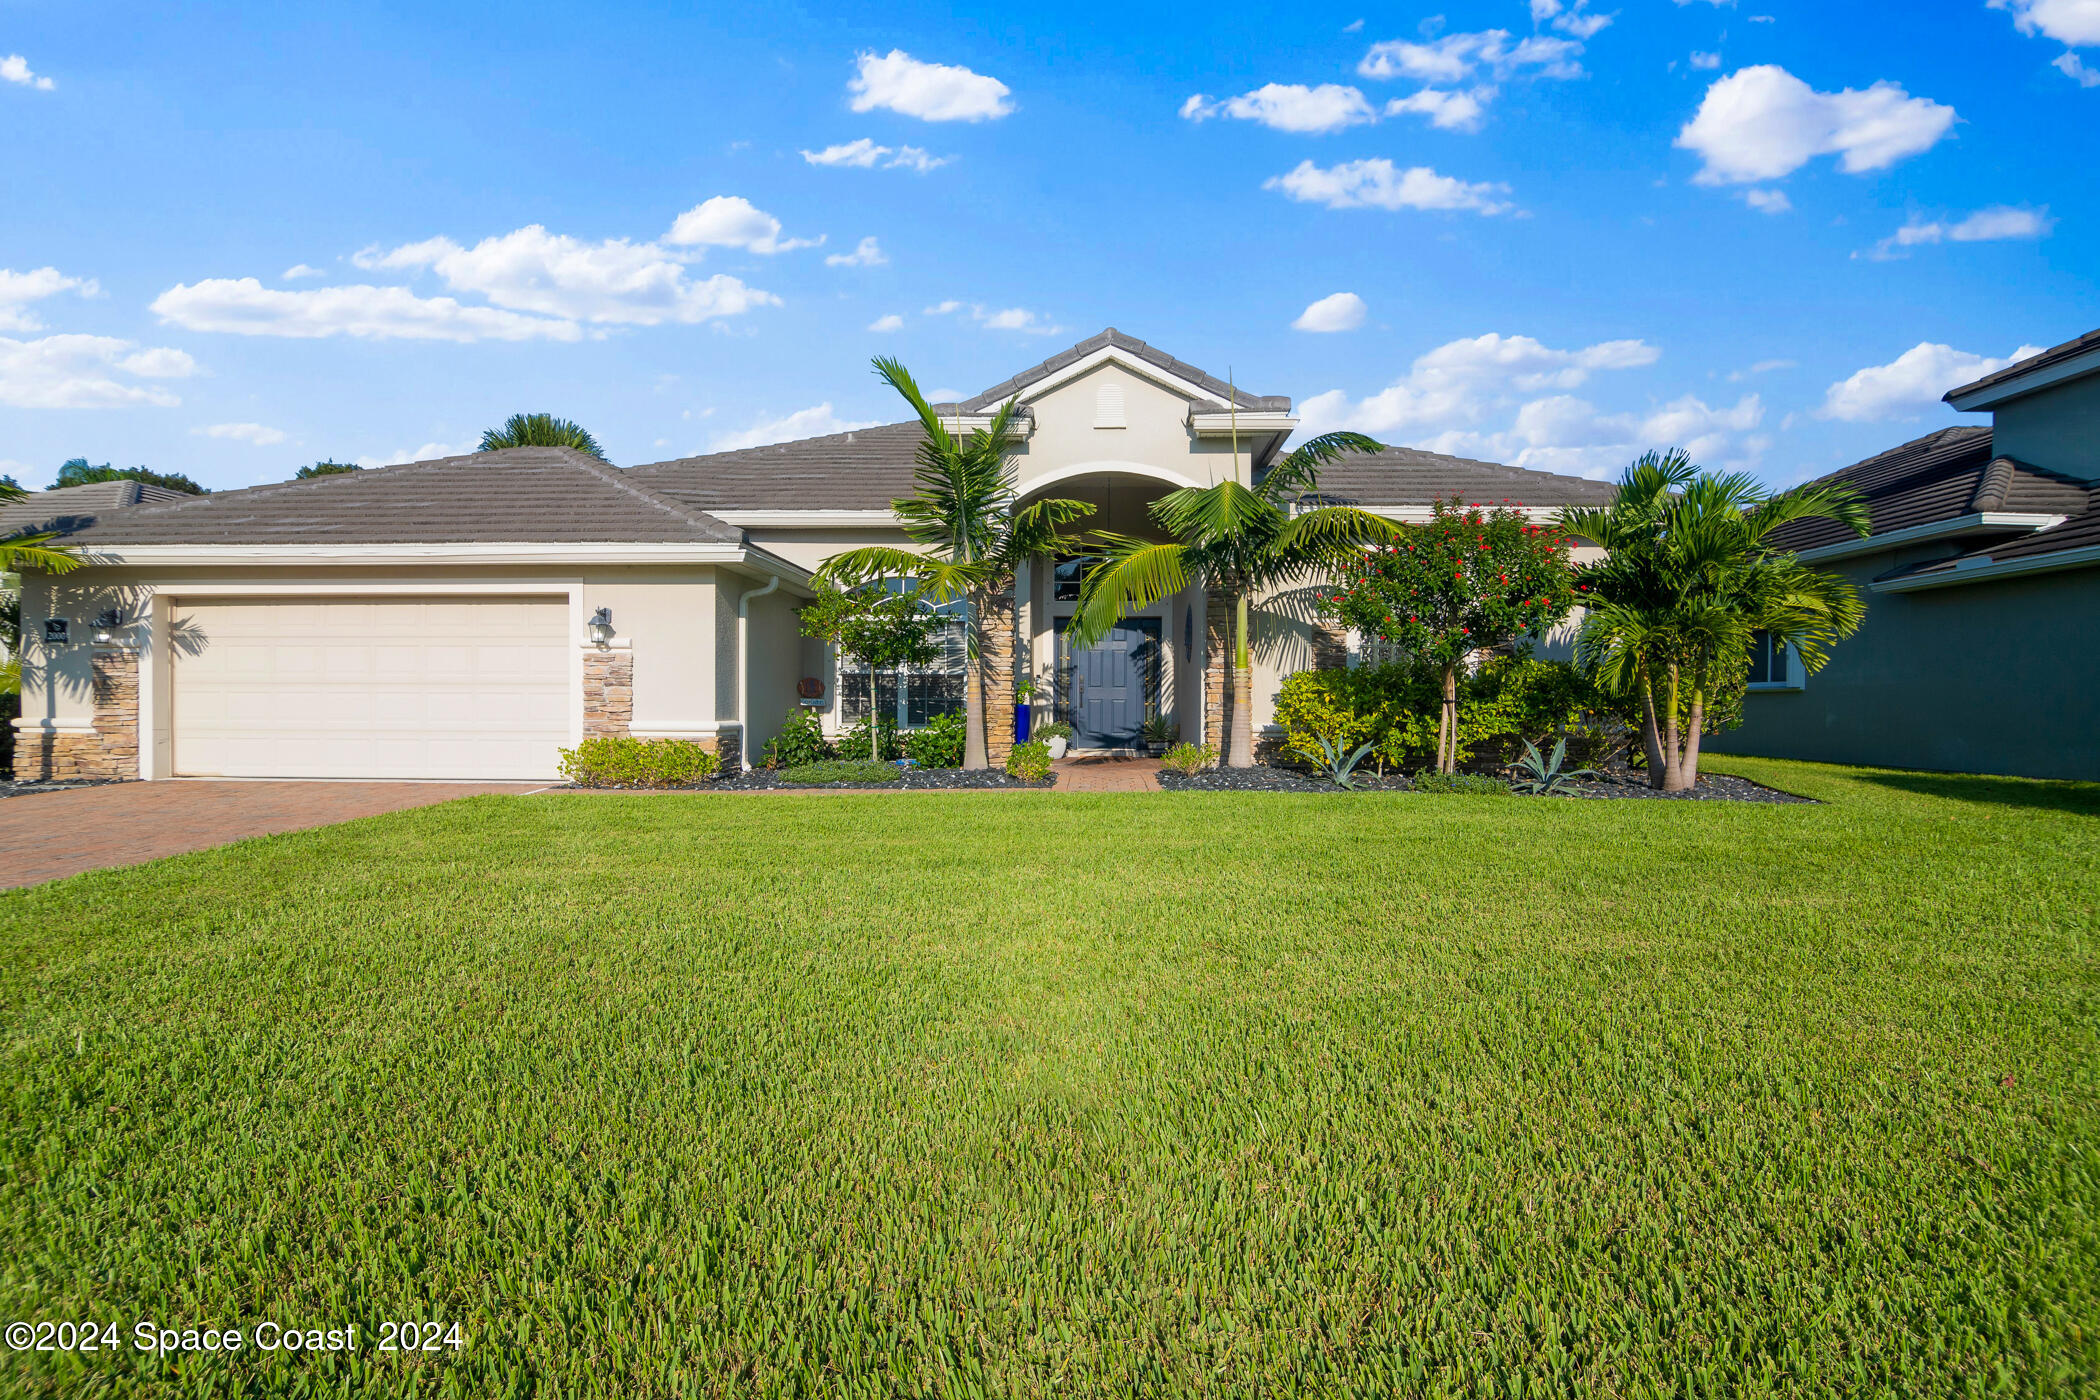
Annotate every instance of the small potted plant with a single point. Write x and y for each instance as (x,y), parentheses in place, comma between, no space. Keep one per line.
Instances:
(1024,691)
(1160,734)
(1058,735)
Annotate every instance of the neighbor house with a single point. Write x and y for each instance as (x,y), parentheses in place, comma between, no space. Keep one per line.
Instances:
(1982,584)
(468,617)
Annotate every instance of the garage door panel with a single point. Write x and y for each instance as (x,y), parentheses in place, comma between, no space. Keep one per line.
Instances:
(368,687)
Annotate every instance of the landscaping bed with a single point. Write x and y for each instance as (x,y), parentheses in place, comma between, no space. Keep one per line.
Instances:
(10,788)
(1617,784)
(1268,778)
(909,779)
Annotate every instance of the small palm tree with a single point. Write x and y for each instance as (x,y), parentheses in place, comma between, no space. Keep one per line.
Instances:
(971,537)
(1689,577)
(17,552)
(540,430)
(1239,541)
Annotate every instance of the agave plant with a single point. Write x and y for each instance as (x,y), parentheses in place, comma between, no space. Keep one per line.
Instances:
(1339,768)
(1544,777)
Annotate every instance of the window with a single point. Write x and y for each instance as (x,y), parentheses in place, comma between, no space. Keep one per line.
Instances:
(1108,406)
(1772,664)
(921,694)
(1066,578)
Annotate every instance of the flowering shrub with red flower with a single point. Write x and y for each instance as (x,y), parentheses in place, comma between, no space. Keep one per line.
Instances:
(1475,578)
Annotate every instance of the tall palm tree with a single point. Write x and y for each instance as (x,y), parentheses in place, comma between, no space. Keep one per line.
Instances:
(19,551)
(970,534)
(539,430)
(1239,541)
(1689,577)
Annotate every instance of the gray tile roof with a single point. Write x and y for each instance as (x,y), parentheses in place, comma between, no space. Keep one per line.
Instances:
(73,507)
(1407,476)
(1216,387)
(861,470)
(1937,477)
(521,495)
(2055,354)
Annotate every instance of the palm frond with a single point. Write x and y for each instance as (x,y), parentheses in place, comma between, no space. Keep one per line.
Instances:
(36,552)
(1132,574)
(1298,474)
(1330,532)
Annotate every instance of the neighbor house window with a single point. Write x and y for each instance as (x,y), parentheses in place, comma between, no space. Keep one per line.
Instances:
(1772,664)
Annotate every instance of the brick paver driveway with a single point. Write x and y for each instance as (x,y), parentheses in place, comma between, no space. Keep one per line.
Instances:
(49,834)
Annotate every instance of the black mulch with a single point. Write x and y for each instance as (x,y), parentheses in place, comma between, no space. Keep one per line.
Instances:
(1616,784)
(10,788)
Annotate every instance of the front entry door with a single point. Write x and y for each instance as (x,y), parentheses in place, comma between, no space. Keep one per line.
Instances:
(1106,691)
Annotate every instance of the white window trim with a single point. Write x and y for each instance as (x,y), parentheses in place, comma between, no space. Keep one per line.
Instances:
(1796,676)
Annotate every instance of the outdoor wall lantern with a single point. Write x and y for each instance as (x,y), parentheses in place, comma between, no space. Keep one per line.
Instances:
(106,624)
(601,627)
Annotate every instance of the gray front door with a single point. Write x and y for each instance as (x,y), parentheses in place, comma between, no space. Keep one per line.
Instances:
(1106,691)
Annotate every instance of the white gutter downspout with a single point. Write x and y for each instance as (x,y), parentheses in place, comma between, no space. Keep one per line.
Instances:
(743,670)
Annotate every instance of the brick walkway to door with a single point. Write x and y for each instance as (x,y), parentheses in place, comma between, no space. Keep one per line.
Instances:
(45,835)
(1108,775)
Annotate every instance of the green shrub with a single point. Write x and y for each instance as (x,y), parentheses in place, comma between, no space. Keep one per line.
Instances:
(1396,709)
(622,762)
(939,744)
(1030,762)
(1055,729)
(800,740)
(853,744)
(859,772)
(1190,759)
(1471,784)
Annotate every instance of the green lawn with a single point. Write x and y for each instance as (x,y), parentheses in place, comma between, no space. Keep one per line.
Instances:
(1025,1094)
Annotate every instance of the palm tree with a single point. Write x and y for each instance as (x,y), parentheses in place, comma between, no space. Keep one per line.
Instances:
(1689,577)
(970,534)
(34,551)
(540,430)
(1239,541)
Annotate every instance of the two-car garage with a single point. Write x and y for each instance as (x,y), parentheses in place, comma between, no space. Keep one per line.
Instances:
(460,687)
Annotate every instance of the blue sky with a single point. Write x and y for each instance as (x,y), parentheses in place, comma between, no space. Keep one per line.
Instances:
(239,238)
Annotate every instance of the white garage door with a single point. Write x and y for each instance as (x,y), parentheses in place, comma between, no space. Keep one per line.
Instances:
(371,687)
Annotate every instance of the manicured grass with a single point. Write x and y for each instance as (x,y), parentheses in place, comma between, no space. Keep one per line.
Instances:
(1028,1094)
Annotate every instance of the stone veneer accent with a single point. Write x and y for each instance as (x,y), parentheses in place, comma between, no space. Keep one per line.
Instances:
(608,692)
(111,749)
(996,650)
(1217,651)
(1330,648)
(727,745)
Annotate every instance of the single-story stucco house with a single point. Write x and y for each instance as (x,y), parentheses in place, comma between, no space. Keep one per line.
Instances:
(1982,583)
(469,617)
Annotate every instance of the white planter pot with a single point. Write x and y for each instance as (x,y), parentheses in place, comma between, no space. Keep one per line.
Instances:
(1057,746)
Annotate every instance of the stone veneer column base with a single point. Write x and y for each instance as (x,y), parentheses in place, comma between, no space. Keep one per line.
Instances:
(608,692)
(110,748)
(728,746)
(996,649)
(1217,683)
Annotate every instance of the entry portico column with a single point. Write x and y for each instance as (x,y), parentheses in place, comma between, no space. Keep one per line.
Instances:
(996,649)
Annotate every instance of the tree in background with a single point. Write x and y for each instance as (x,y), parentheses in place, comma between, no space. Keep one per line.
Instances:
(1469,581)
(328,468)
(540,430)
(1240,542)
(963,516)
(1689,578)
(880,628)
(77,472)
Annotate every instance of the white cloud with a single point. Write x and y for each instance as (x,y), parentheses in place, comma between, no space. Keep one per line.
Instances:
(15,69)
(1910,383)
(1012,318)
(299,270)
(934,92)
(2002,221)
(1768,201)
(1456,57)
(820,421)
(86,371)
(610,283)
(1360,184)
(1763,123)
(883,325)
(1344,311)
(243,306)
(1450,111)
(2072,23)
(1455,386)
(864,154)
(1289,107)
(1762,367)
(731,221)
(1570,19)
(254,434)
(866,253)
(1702,59)
(18,289)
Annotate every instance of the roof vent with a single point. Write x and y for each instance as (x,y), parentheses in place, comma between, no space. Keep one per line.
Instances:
(1108,407)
